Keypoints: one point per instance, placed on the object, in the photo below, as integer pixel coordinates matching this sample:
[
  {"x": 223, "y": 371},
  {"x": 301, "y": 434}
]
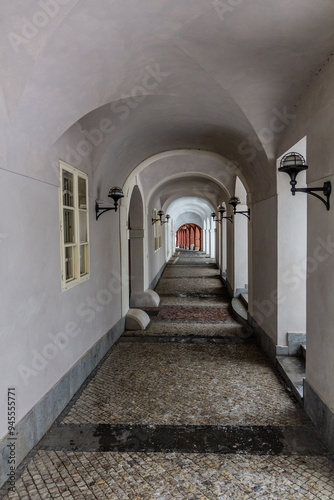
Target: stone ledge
[{"x": 292, "y": 370}]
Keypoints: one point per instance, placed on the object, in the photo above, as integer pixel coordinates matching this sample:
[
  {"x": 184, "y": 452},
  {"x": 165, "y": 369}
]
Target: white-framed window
[
  {"x": 156, "y": 231},
  {"x": 74, "y": 226}
]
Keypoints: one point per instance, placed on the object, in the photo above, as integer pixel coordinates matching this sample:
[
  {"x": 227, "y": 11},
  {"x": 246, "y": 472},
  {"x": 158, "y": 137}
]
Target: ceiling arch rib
[{"x": 172, "y": 174}]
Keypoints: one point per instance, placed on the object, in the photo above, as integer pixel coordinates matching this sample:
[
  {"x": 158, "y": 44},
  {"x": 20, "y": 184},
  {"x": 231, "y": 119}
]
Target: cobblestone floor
[
  {"x": 203, "y": 286},
  {"x": 185, "y": 329},
  {"x": 82, "y": 476},
  {"x": 144, "y": 383},
  {"x": 185, "y": 384},
  {"x": 193, "y": 314},
  {"x": 179, "y": 300}
]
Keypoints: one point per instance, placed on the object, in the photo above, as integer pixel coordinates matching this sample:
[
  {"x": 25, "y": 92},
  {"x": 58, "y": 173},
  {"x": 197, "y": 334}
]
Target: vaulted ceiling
[{"x": 222, "y": 76}]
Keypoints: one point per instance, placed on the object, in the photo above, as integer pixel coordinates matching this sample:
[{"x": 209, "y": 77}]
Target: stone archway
[{"x": 138, "y": 296}]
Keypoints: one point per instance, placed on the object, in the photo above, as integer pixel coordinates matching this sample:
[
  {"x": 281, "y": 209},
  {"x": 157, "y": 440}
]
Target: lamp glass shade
[
  {"x": 167, "y": 217},
  {"x": 213, "y": 215},
  {"x": 292, "y": 159},
  {"x": 160, "y": 213},
  {"x": 221, "y": 209},
  {"x": 292, "y": 164},
  {"x": 116, "y": 193},
  {"x": 234, "y": 201}
]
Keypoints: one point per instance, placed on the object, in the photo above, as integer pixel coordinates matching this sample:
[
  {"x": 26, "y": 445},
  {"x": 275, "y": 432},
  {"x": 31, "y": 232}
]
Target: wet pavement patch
[{"x": 256, "y": 440}]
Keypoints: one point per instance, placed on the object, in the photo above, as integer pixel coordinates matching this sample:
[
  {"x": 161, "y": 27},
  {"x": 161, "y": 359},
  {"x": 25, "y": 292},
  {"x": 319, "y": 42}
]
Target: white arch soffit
[
  {"x": 197, "y": 205},
  {"x": 128, "y": 190},
  {"x": 178, "y": 152},
  {"x": 187, "y": 210},
  {"x": 192, "y": 203},
  {"x": 140, "y": 187},
  {"x": 240, "y": 191},
  {"x": 183, "y": 176},
  {"x": 180, "y": 225}
]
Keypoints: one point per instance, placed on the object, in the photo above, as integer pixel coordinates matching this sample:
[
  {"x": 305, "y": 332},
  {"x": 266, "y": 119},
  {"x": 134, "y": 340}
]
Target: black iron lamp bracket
[
  {"x": 116, "y": 194},
  {"x": 246, "y": 213},
  {"x": 101, "y": 210},
  {"x": 221, "y": 210},
  {"x": 326, "y": 190},
  {"x": 228, "y": 217},
  {"x": 235, "y": 201},
  {"x": 159, "y": 219}
]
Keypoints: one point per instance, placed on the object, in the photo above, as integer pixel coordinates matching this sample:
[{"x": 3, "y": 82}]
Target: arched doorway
[{"x": 136, "y": 243}]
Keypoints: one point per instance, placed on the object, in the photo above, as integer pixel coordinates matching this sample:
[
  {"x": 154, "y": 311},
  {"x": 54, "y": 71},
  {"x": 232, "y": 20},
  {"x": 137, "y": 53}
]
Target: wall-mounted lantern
[
  {"x": 292, "y": 164},
  {"x": 221, "y": 211},
  {"x": 235, "y": 201},
  {"x": 159, "y": 219},
  {"x": 116, "y": 194}
]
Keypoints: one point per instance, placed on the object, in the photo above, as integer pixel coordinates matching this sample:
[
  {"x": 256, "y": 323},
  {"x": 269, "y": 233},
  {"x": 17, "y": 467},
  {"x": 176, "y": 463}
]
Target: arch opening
[{"x": 189, "y": 237}]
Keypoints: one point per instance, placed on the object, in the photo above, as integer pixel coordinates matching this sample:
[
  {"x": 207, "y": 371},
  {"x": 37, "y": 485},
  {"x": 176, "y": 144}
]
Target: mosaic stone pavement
[
  {"x": 168, "y": 416},
  {"x": 201, "y": 330},
  {"x": 184, "y": 384},
  {"x": 82, "y": 476},
  {"x": 190, "y": 313}
]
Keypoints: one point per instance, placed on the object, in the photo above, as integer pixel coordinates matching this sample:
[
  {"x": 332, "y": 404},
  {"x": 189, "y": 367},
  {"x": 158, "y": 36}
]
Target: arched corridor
[
  {"x": 188, "y": 407},
  {"x": 166, "y": 175}
]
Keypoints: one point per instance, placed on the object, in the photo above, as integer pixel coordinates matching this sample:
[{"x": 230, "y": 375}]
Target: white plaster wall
[
  {"x": 292, "y": 233},
  {"x": 213, "y": 240},
  {"x": 33, "y": 306},
  {"x": 263, "y": 307},
  {"x": 155, "y": 258},
  {"x": 230, "y": 255},
  {"x": 224, "y": 245},
  {"x": 315, "y": 119},
  {"x": 241, "y": 251}
]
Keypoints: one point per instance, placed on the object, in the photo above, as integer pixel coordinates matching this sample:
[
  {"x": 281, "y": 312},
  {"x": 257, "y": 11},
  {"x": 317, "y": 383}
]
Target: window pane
[
  {"x": 83, "y": 227},
  {"x": 69, "y": 264},
  {"x": 69, "y": 226},
  {"x": 82, "y": 193},
  {"x": 68, "y": 189},
  {"x": 83, "y": 259}
]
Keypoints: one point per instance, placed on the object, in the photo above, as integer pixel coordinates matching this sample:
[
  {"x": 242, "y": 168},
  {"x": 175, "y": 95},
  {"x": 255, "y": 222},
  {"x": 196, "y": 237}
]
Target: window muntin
[{"x": 74, "y": 226}]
